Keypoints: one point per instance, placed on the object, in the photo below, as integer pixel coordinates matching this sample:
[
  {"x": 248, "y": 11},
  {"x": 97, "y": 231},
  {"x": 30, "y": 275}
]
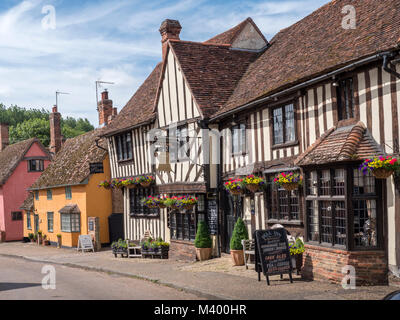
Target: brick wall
[
  {"x": 182, "y": 250},
  {"x": 326, "y": 264}
]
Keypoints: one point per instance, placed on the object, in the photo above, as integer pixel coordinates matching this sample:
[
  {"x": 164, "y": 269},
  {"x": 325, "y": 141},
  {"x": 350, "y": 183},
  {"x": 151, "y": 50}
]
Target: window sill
[
  {"x": 125, "y": 161},
  {"x": 148, "y": 216},
  {"x": 287, "y": 222},
  {"x": 239, "y": 154},
  {"x": 285, "y": 145}
]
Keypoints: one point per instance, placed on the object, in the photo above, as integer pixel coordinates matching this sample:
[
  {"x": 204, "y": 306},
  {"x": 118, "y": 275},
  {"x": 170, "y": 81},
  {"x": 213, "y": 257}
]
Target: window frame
[
  {"x": 68, "y": 193},
  {"x": 123, "y": 147},
  {"x": 52, "y": 221},
  {"x": 16, "y": 216},
  {"x": 241, "y": 130},
  {"x": 347, "y": 199},
  {"x": 28, "y": 221},
  {"x": 49, "y": 194},
  {"x": 37, "y": 195},
  {"x": 180, "y": 143},
  {"x": 71, "y": 229},
  {"x": 39, "y": 163},
  {"x": 136, "y": 208},
  {"x": 284, "y": 132},
  {"x": 343, "y": 92}
]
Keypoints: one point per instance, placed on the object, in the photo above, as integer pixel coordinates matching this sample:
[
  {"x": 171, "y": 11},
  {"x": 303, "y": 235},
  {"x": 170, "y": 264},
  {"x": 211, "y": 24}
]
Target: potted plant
[
  {"x": 31, "y": 237},
  {"x": 254, "y": 183},
  {"x": 150, "y": 202},
  {"x": 105, "y": 184},
  {"x": 116, "y": 183},
  {"x": 146, "y": 246},
  {"x": 296, "y": 252},
  {"x": 203, "y": 242},
  {"x": 35, "y": 237},
  {"x": 188, "y": 202},
  {"x": 45, "y": 242},
  {"x": 164, "y": 247},
  {"x": 161, "y": 203},
  {"x": 235, "y": 186},
  {"x": 130, "y": 183},
  {"x": 380, "y": 167},
  {"x": 59, "y": 242},
  {"x": 290, "y": 181},
  {"x": 239, "y": 233},
  {"x": 146, "y": 181},
  {"x": 40, "y": 237},
  {"x": 119, "y": 247},
  {"x": 171, "y": 202}
]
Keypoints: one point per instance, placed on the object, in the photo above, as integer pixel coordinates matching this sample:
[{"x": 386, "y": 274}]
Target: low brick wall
[
  {"x": 182, "y": 250},
  {"x": 327, "y": 263}
]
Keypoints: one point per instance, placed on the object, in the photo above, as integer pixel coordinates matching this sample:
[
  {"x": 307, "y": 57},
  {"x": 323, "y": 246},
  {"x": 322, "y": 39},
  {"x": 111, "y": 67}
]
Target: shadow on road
[{"x": 6, "y": 286}]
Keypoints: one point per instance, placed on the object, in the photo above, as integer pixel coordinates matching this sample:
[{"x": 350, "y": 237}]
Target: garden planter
[
  {"x": 59, "y": 243},
  {"x": 203, "y": 254},
  {"x": 145, "y": 184},
  {"x": 381, "y": 173},
  {"x": 290, "y": 186},
  {"x": 237, "y": 257},
  {"x": 122, "y": 252},
  {"x": 253, "y": 187}
]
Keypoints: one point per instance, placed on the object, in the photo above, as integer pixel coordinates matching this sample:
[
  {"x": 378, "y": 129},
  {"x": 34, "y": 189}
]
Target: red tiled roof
[
  {"x": 346, "y": 142},
  {"x": 318, "y": 44},
  {"x": 139, "y": 108},
  {"x": 11, "y": 156},
  {"x": 71, "y": 164},
  {"x": 229, "y": 36},
  {"x": 212, "y": 71}
]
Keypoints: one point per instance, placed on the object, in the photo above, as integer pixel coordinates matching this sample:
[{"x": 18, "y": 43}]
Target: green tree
[
  {"x": 39, "y": 128},
  {"x": 239, "y": 233},
  {"x": 203, "y": 239}
]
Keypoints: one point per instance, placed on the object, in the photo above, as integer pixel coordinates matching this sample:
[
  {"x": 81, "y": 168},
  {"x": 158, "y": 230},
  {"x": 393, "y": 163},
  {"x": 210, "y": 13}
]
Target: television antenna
[{"x": 57, "y": 94}]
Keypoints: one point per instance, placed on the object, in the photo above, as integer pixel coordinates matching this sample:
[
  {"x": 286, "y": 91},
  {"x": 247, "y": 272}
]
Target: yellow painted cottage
[{"x": 67, "y": 192}]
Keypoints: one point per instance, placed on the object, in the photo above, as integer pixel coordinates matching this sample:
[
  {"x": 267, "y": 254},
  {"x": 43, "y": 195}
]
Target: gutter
[
  {"x": 107, "y": 135},
  {"x": 387, "y": 60},
  {"x": 59, "y": 186},
  {"x": 308, "y": 83}
]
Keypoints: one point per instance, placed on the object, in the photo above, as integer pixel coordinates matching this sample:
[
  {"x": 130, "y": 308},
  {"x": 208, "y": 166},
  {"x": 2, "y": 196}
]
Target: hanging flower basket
[
  {"x": 254, "y": 183},
  {"x": 117, "y": 183},
  {"x": 289, "y": 181},
  {"x": 105, "y": 184},
  {"x": 151, "y": 202},
  {"x": 235, "y": 186},
  {"x": 130, "y": 183},
  {"x": 381, "y": 167},
  {"x": 187, "y": 202},
  {"x": 146, "y": 181}
]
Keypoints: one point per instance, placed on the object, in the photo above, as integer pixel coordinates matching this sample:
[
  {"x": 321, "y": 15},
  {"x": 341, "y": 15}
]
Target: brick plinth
[
  {"x": 326, "y": 264},
  {"x": 182, "y": 250}
]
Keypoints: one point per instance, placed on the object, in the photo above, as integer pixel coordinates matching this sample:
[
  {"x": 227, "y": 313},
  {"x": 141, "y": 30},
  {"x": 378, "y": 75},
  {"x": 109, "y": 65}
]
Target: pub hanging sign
[{"x": 96, "y": 167}]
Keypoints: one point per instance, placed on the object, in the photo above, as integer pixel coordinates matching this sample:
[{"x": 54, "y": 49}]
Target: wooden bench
[{"x": 248, "y": 251}]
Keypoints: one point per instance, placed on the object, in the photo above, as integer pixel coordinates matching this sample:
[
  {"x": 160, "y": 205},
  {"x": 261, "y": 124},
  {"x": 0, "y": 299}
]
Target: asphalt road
[{"x": 22, "y": 280}]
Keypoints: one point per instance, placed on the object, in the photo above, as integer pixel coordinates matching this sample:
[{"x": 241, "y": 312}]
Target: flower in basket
[
  {"x": 189, "y": 200},
  {"x": 151, "y": 202},
  {"x": 388, "y": 163},
  {"x": 297, "y": 247},
  {"x": 254, "y": 183},
  {"x": 105, "y": 184},
  {"x": 234, "y": 185},
  {"x": 288, "y": 178},
  {"x": 130, "y": 182},
  {"x": 116, "y": 183},
  {"x": 146, "y": 180}
]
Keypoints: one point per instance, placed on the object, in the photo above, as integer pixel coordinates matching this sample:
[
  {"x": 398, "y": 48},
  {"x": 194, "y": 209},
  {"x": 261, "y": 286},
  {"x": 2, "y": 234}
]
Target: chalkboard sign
[
  {"x": 272, "y": 253},
  {"x": 85, "y": 243},
  {"x": 212, "y": 216}
]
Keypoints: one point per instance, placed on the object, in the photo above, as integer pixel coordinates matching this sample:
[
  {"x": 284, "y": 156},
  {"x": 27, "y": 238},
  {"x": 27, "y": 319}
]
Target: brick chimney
[
  {"x": 169, "y": 30},
  {"x": 4, "y": 139},
  {"x": 113, "y": 115},
  {"x": 55, "y": 131},
  {"x": 105, "y": 108}
]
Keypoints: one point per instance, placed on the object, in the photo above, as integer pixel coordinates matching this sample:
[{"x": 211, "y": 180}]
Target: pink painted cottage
[{"x": 20, "y": 165}]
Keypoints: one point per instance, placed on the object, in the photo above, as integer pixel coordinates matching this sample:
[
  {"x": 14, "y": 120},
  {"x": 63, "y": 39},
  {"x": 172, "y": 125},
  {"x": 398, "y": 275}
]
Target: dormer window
[
  {"x": 35, "y": 165},
  {"x": 345, "y": 94}
]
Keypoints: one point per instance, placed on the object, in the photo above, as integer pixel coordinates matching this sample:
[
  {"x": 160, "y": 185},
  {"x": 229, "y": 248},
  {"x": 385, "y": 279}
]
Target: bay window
[
  {"x": 70, "y": 222},
  {"x": 342, "y": 208}
]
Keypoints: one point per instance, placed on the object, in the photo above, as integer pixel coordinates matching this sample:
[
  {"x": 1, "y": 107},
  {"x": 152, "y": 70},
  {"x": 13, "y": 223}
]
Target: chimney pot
[
  {"x": 105, "y": 108},
  {"x": 169, "y": 30},
  {"x": 104, "y": 95},
  {"x": 55, "y": 109},
  {"x": 4, "y": 137}
]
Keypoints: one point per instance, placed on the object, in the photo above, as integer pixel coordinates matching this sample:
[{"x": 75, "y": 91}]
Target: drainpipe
[
  {"x": 100, "y": 147},
  {"x": 386, "y": 62}
]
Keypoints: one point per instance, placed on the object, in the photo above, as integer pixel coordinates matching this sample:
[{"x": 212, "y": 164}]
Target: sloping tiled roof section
[
  {"x": 342, "y": 143},
  {"x": 28, "y": 204},
  {"x": 12, "y": 155},
  {"x": 318, "y": 44},
  {"x": 212, "y": 71},
  {"x": 71, "y": 164},
  {"x": 229, "y": 36},
  {"x": 139, "y": 108}
]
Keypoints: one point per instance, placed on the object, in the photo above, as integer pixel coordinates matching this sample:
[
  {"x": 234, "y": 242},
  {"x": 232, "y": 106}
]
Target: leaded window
[
  {"x": 239, "y": 139},
  {"x": 179, "y": 144},
  {"x": 284, "y": 124},
  {"x": 342, "y": 208},
  {"x": 123, "y": 145},
  {"x": 346, "y": 105},
  {"x": 70, "y": 222},
  {"x": 35, "y": 165},
  {"x": 285, "y": 205},
  {"x": 136, "y": 206}
]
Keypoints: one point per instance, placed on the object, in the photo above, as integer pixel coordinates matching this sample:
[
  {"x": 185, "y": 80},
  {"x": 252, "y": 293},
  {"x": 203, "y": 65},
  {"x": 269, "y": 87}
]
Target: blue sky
[{"x": 110, "y": 40}]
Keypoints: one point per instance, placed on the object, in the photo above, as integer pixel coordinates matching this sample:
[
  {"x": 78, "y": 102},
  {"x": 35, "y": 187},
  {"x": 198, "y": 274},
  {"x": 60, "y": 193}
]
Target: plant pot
[
  {"x": 237, "y": 257},
  {"x": 203, "y": 254},
  {"x": 236, "y": 192},
  {"x": 381, "y": 173},
  {"x": 59, "y": 243},
  {"x": 145, "y": 184},
  {"x": 253, "y": 187},
  {"x": 290, "y": 186}
]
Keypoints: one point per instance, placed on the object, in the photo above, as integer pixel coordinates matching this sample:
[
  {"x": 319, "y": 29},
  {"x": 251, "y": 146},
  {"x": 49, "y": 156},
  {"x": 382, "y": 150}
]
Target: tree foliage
[{"x": 29, "y": 123}]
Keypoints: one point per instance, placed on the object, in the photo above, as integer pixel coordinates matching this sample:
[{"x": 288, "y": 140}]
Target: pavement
[{"x": 212, "y": 279}]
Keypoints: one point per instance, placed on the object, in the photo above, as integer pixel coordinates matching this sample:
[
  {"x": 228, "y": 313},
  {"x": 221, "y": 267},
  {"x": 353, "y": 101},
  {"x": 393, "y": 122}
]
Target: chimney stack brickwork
[
  {"x": 4, "y": 136},
  {"x": 105, "y": 109},
  {"x": 169, "y": 30},
  {"x": 55, "y": 131}
]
